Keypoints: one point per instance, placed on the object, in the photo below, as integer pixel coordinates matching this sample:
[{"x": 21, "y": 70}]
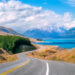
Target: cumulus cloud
[{"x": 22, "y": 17}]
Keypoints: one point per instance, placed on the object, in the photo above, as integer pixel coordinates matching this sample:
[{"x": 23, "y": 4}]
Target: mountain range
[{"x": 39, "y": 34}]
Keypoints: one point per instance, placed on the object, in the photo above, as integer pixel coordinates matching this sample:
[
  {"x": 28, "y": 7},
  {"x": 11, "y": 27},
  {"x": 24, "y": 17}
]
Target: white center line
[{"x": 47, "y": 71}]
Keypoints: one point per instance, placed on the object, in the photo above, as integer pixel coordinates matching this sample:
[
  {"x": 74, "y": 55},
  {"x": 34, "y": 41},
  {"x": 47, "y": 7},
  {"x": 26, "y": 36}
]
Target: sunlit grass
[
  {"x": 53, "y": 53},
  {"x": 7, "y": 58}
]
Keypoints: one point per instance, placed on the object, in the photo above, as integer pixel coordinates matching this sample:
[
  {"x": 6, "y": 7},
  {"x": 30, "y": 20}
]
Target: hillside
[
  {"x": 12, "y": 43},
  {"x": 6, "y": 57},
  {"x": 7, "y": 31},
  {"x": 54, "y": 53},
  {"x": 4, "y": 33}
]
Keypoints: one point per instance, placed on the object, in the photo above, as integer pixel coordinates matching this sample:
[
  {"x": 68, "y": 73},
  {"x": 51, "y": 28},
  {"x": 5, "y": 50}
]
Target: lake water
[{"x": 63, "y": 43}]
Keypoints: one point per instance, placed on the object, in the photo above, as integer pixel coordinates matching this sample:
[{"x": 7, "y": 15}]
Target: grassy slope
[
  {"x": 6, "y": 57},
  {"x": 53, "y": 53},
  {"x": 12, "y": 44}
]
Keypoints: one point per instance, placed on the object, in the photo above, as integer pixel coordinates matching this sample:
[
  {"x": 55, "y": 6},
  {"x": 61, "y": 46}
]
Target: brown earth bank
[
  {"x": 6, "y": 57},
  {"x": 54, "y": 53},
  {"x": 4, "y": 33}
]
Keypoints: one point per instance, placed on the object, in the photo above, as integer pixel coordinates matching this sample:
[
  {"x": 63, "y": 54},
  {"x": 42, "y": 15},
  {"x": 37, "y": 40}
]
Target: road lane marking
[
  {"x": 47, "y": 71},
  {"x": 11, "y": 70}
]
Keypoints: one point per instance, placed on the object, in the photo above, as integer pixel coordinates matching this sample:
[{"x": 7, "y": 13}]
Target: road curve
[{"x": 32, "y": 66}]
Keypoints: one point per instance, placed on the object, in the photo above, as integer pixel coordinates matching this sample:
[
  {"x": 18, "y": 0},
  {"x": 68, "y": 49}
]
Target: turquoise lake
[{"x": 63, "y": 43}]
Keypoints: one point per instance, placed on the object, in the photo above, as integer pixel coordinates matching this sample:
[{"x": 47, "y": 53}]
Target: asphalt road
[{"x": 31, "y": 66}]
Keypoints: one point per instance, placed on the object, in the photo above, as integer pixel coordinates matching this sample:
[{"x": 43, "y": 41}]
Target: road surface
[{"x": 32, "y": 66}]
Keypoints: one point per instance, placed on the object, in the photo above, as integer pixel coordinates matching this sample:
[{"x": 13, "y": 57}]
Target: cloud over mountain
[{"x": 22, "y": 17}]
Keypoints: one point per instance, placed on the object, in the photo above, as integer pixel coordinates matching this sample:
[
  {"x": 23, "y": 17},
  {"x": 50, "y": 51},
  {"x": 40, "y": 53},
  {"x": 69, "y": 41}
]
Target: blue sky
[
  {"x": 59, "y": 6},
  {"x": 23, "y": 15}
]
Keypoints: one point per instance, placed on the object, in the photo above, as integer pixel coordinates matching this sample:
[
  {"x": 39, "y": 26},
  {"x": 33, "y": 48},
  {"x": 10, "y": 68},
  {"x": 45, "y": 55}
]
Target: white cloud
[
  {"x": 22, "y": 17},
  {"x": 70, "y": 2},
  {"x": 70, "y": 24}
]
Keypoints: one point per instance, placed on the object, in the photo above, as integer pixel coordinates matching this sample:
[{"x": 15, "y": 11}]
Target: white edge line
[{"x": 47, "y": 71}]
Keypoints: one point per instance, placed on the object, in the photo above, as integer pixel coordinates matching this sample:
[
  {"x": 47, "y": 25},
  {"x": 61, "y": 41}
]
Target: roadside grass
[
  {"x": 7, "y": 58},
  {"x": 11, "y": 45},
  {"x": 67, "y": 56},
  {"x": 53, "y": 53}
]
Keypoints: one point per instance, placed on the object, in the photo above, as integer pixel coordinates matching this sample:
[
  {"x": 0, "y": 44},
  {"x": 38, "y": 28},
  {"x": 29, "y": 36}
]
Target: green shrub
[{"x": 12, "y": 43}]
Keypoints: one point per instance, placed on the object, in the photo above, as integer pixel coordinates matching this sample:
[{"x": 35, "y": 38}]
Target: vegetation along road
[{"x": 32, "y": 66}]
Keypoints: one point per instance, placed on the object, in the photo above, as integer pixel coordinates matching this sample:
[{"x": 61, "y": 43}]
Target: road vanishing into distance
[{"x": 32, "y": 66}]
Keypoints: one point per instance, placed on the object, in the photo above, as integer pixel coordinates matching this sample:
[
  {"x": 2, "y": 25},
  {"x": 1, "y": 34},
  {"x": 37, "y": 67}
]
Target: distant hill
[
  {"x": 38, "y": 33},
  {"x": 5, "y": 31}
]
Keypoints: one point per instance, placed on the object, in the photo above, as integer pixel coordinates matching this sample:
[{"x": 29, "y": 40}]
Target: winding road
[{"x": 32, "y": 66}]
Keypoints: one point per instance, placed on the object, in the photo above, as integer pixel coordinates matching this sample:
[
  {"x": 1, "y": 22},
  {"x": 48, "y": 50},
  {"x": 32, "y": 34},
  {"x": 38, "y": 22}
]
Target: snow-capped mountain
[{"x": 61, "y": 33}]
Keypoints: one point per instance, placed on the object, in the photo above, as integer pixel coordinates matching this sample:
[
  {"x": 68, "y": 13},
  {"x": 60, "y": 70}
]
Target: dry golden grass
[
  {"x": 65, "y": 55},
  {"x": 53, "y": 53},
  {"x": 43, "y": 53},
  {"x": 5, "y": 57},
  {"x": 36, "y": 46}
]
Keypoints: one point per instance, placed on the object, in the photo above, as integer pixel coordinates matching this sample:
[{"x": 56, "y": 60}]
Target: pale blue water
[{"x": 63, "y": 43}]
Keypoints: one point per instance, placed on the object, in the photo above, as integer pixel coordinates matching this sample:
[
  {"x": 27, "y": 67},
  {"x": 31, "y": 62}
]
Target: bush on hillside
[
  {"x": 11, "y": 43},
  {"x": 20, "y": 42}
]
